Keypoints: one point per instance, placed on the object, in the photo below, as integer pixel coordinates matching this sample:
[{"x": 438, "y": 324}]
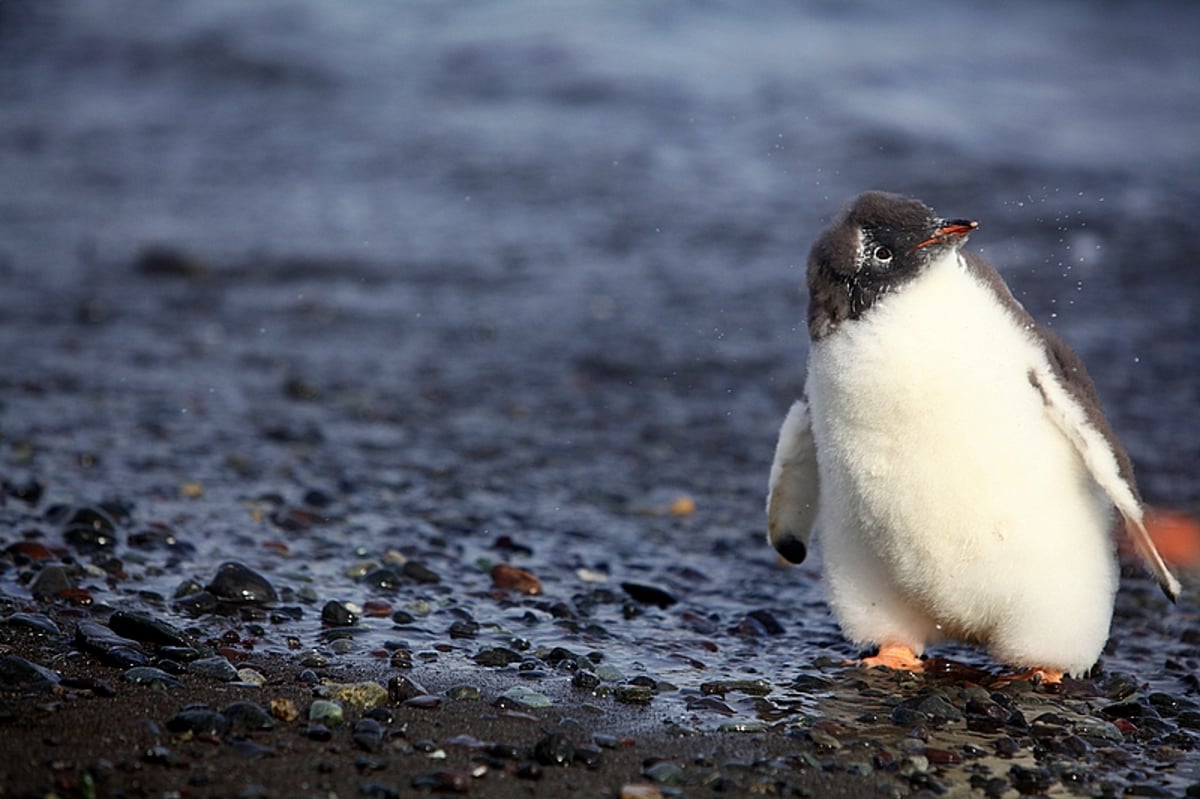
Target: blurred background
[{"x": 591, "y": 215}]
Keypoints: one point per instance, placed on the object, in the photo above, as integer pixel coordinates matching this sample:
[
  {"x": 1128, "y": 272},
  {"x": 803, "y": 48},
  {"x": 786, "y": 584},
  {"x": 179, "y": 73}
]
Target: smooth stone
[
  {"x": 19, "y": 674},
  {"x": 216, "y": 668},
  {"x": 554, "y": 749},
  {"x": 336, "y": 614},
  {"x": 198, "y": 721},
  {"x": 525, "y": 696},
  {"x": 402, "y": 687},
  {"x": 146, "y": 628},
  {"x": 323, "y": 711},
  {"x": 50, "y": 582},
  {"x": 248, "y": 716},
  {"x": 150, "y": 676},
  {"x": 362, "y": 695},
  {"x": 368, "y": 734},
  {"x": 235, "y": 582},
  {"x": 251, "y": 677}
]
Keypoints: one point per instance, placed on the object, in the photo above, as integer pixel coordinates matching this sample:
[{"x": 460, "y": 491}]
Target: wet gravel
[{"x": 459, "y": 489}]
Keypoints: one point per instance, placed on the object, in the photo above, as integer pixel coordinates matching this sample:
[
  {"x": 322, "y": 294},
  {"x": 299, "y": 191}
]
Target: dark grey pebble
[
  {"x": 585, "y": 681},
  {"x": 758, "y": 624},
  {"x": 198, "y": 721},
  {"x": 113, "y": 649},
  {"x": 146, "y": 628},
  {"x": 184, "y": 654},
  {"x": 497, "y": 656},
  {"x": 235, "y": 582},
  {"x": 368, "y": 734},
  {"x": 90, "y": 528},
  {"x": 160, "y": 756},
  {"x": 1030, "y": 780},
  {"x": 308, "y": 677},
  {"x": 464, "y": 629},
  {"x": 665, "y": 772},
  {"x": 1133, "y": 711},
  {"x": 318, "y": 732},
  {"x": 34, "y": 621},
  {"x": 401, "y": 688},
  {"x": 415, "y": 570},
  {"x": 649, "y": 595},
  {"x": 633, "y": 694},
  {"x": 383, "y": 579},
  {"x": 28, "y": 491},
  {"x": 384, "y": 715},
  {"x": 215, "y": 668},
  {"x": 50, "y": 582},
  {"x": 247, "y": 716},
  {"x": 94, "y": 685},
  {"x": 197, "y": 604},
  {"x": 150, "y": 676},
  {"x": 554, "y": 749},
  {"x": 19, "y": 674},
  {"x": 379, "y": 790},
  {"x": 336, "y": 614},
  {"x": 589, "y": 755},
  {"x": 159, "y": 537}
]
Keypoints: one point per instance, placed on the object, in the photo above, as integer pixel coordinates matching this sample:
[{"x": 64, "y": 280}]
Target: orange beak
[{"x": 955, "y": 227}]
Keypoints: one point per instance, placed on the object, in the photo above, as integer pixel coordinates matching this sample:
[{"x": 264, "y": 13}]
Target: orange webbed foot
[{"x": 894, "y": 656}]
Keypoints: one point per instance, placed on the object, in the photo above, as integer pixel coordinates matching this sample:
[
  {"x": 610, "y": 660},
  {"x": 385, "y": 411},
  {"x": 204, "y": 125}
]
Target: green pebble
[{"x": 326, "y": 712}]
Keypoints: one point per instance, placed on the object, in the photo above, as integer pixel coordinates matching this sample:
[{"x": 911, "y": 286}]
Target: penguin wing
[
  {"x": 1074, "y": 406},
  {"x": 793, "y": 488}
]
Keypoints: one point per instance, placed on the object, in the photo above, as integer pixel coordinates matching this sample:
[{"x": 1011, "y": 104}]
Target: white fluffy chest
[{"x": 931, "y": 442}]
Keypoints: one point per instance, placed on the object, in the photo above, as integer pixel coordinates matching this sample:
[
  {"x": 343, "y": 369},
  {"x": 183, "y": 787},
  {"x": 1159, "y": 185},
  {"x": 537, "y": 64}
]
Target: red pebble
[{"x": 510, "y": 577}]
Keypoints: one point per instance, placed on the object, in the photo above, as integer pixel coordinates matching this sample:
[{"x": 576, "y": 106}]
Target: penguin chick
[{"x": 951, "y": 453}]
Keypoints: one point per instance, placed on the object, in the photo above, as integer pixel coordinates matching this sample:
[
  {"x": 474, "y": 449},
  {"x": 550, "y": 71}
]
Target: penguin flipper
[
  {"x": 793, "y": 488},
  {"x": 1068, "y": 395}
]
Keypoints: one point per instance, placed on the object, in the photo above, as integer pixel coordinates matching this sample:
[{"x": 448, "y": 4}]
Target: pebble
[
  {"x": 215, "y": 668},
  {"x": 198, "y": 721},
  {"x": 19, "y": 674},
  {"x": 640, "y": 791},
  {"x": 336, "y": 614},
  {"x": 50, "y": 581},
  {"x": 146, "y": 628},
  {"x": 554, "y": 749},
  {"x": 633, "y": 694},
  {"x": 323, "y": 711},
  {"x": 247, "y": 717},
  {"x": 34, "y": 621},
  {"x": 523, "y": 696},
  {"x": 368, "y": 734},
  {"x": 665, "y": 773},
  {"x": 362, "y": 695},
  {"x": 89, "y": 528},
  {"x": 497, "y": 656},
  {"x": 444, "y": 781},
  {"x": 401, "y": 688},
  {"x": 649, "y": 595},
  {"x": 235, "y": 582},
  {"x": 464, "y": 693},
  {"x": 251, "y": 677},
  {"x": 284, "y": 709},
  {"x": 151, "y": 677},
  {"x": 508, "y": 577},
  {"x": 415, "y": 570}
]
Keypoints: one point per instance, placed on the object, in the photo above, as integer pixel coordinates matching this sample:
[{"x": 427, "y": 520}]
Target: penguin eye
[{"x": 882, "y": 254}]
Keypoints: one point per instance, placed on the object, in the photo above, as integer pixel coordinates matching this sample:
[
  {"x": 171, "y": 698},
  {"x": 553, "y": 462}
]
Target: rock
[
  {"x": 146, "y": 628},
  {"x": 284, "y": 709},
  {"x": 34, "y": 621},
  {"x": 402, "y": 688},
  {"x": 198, "y": 721},
  {"x": 323, "y": 711},
  {"x": 90, "y": 528},
  {"x": 336, "y": 614},
  {"x": 523, "y": 697},
  {"x": 665, "y": 772},
  {"x": 19, "y": 674},
  {"x": 215, "y": 668},
  {"x": 151, "y": 677},
  {"x": 251, "y": 677},
  {"x": 51, "y": 581},
  {"x": 415, "y": 570},
  {"x": 637, "y": 790},
  {"x": 649, "y": 595},
  {"x": 497, "y": 656},
  {"x": 247, "y": 717},
  {"x": 554, "y": 749},
  {"x": 234, "y": 582},
  {"x": 113, "y": 649},
  {"x": 633, "y": 694},
  {"x": 509, "y": 577},
  {"x": 443, "y": 781},
  {"x": 361, "y": 695},
  {"x": 368, "y": 734}
]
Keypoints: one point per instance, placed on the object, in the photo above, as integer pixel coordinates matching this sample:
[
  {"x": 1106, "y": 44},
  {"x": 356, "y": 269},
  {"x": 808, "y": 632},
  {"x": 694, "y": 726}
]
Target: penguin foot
[
  {"x": 894, "y": 656},
  {"x": 1039, "y": 676}
]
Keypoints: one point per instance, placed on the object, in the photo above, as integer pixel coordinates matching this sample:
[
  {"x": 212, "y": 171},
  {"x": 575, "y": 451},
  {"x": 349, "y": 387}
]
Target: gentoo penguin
[{"x": 951, "y": 454}]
